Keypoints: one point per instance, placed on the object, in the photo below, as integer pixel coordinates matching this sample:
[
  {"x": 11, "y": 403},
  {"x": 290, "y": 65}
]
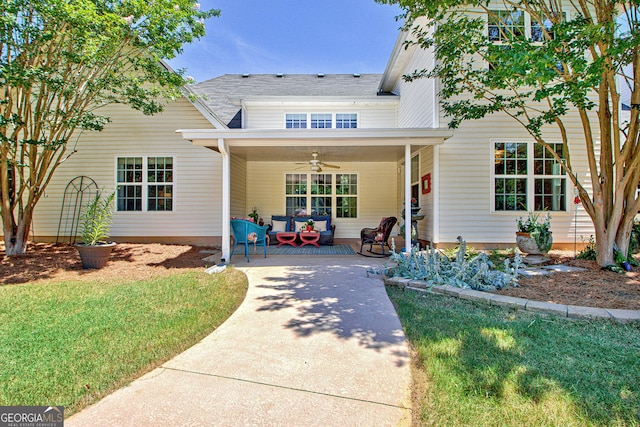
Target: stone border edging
[{"x": 560, "y": 310}]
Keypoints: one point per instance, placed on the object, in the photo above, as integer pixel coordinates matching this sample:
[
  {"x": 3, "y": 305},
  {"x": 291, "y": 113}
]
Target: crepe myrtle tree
[
  {"x": 573, "y": 58},
  {"x": 60, "y": 61}
]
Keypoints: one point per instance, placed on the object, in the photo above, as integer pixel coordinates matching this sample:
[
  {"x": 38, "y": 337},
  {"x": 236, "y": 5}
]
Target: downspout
[
  {"x": 226, "y": 202},
  {"x": 407, "y": 197}
]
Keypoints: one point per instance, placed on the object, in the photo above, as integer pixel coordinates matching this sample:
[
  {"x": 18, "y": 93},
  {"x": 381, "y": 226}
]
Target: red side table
[
  {"x": 286, "y": 238},
  {"x": 309, "y": 238}
]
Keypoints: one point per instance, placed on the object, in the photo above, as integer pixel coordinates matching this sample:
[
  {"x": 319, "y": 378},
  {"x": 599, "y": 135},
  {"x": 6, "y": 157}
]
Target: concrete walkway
[{"x": 315, "y": 343}]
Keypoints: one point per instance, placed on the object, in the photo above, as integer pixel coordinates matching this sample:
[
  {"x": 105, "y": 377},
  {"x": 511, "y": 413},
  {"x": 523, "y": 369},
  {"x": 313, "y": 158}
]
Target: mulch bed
[{"x": 57, "y": 262}]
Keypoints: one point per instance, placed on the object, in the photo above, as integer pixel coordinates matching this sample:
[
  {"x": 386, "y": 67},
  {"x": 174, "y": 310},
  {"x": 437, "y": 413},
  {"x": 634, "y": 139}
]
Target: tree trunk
[{"x": 16, "y": 236}]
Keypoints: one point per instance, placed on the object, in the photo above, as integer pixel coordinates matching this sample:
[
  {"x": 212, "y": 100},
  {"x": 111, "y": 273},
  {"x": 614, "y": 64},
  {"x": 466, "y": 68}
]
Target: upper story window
[
  {"x": 505, "y": 25},
  {"x": 321, "y": 120},
  {"x": 346, "y": 121},
  {"x": 296, "y": 121}
]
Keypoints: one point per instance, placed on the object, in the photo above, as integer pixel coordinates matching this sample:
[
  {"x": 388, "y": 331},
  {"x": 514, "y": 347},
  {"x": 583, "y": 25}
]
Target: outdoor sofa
[{"x": 291, "y": 223}]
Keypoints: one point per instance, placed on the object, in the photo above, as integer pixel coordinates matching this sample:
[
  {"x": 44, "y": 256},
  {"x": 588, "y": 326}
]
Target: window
[
  {"x": 346, "y": 121},
  {"x": 415, "y": 177},
  {"x": 296, "y": 193},
  {"x": 527, "y": 177},
  {"x": 321, "y": 120},
  {"x": 321, "y": 192},
  {"x": 145, "y": 179},
  {"x": 505, "y": 25},
  {"x": 296, "y": 121},
  {"x": 347, "y": 195}
]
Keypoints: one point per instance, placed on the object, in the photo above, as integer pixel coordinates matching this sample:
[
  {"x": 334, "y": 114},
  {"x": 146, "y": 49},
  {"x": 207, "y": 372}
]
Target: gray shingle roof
[{"x": 224, "y": 94}]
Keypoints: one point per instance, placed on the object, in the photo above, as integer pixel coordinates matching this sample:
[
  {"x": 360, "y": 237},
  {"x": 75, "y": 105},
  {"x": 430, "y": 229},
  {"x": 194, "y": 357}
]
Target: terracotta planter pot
[
  {"x": 528, "y": 245},
  {"x": 95, "y": 256}
]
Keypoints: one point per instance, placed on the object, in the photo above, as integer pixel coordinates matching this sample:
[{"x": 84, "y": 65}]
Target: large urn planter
[
  {"x": 94, "y": 256},
  {"x": 528, "y": 244}
]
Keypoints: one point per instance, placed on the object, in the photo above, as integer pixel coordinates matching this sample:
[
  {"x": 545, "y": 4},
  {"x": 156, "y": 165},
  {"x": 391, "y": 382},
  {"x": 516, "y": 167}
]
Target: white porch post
[
  {"x": 226, "y": 202},
  {"x": 407, "y": 197}
]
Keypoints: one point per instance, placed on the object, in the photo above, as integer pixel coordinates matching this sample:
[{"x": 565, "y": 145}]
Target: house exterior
[{"x": 248, "y": 141}]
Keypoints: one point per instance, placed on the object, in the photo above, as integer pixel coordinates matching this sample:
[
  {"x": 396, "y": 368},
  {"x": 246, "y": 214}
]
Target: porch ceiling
[{"x": 334, "y": 145}]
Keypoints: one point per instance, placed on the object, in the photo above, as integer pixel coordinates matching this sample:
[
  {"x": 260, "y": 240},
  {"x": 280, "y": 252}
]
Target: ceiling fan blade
[{"x": 325, "y": 165}]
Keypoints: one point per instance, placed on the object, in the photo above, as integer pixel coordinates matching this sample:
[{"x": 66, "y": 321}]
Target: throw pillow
[
  {"x": 279, "y": 226},
  {"x": 299, "y": 225},
  {"x": 321, "y": 225}
]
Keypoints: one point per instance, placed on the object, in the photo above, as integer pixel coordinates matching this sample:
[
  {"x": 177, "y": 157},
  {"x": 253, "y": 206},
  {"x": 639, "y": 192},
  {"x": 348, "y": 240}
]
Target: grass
[
  {"x": 487, "y": 366},
  {"x": 72, "y": 343}
]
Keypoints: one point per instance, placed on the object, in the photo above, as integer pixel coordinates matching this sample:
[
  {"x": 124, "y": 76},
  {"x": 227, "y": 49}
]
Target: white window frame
[
  {"x": 334, "y": 196},
  {"x": 145, "y": 184},
  {"x": 310, "y": 114},
  {"x": 527, "y": 25},
  {"x": 530, "y": 177}
]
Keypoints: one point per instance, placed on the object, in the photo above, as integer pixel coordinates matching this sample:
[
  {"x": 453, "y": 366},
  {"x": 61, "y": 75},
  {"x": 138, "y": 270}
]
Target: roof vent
[
  {"x": 279, "y": 75},
  {"x": 356, "y": 76},
  {"x": 320, "y": 75},
  {"x": 244, "y": 76}
]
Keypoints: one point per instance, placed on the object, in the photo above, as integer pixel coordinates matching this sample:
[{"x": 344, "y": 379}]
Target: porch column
[
  {"x": 226, "y": 202},
  {"x": 407, "y": 197}
]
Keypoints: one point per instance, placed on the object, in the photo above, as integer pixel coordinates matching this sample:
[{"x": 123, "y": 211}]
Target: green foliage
[
  {"x": 60, "y": 62},
  {"x": 547, "y": 67},
  {"x": 540, "y": 230},
  {"x": 96, "y": 219},
  {"x": 462, "y": 271},
  {"x": 75, "y": 342},
  {"x": 254, "y": 215},
  {"x": 589, "y": 251}
]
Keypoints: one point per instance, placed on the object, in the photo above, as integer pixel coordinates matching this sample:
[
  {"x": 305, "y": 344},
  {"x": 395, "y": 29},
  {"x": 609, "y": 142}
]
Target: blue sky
[{"x": 292, "y": 36}]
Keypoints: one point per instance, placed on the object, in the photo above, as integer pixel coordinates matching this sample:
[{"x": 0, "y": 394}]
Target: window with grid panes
[
  {"x": 296, "y": 193},
  {"x": 296, "y": 121},
  {"x": 505, "y": 25},
  {"x": 550, "y": 192},
  {"x": 144, "y": 183},
  {"x": 321, "y": 193},
  {"x": 346, "y": 121},
  {"x": 321, "y": 121},
  {"x": 346, "y": 195},
  {"x": 528, "y": 177}
]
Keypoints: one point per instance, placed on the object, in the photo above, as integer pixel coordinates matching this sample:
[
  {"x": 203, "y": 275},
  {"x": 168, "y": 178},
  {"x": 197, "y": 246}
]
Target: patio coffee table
[
  {"x": 286, "y": 238},
  {"x": 309, "y": 238}
]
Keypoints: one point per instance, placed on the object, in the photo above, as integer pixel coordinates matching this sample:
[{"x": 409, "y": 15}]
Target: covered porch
[{"x": 257, "y": 163}]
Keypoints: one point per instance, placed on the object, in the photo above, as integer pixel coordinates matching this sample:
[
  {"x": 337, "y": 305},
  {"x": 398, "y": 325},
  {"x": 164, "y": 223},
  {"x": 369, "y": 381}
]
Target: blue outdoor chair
[{"x": 248, "y": 233}]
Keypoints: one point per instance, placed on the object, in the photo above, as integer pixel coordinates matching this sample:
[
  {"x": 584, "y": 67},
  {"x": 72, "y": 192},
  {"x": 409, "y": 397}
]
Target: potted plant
[
  {"x": 309, "y": 225},
  {"x": 534, "y": 234},
  {"x": 254, "y": 215},
  {"x": 95, "y": 227}
]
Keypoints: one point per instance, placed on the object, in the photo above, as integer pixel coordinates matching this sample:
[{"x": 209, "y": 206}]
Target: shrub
[
  {"x": 435, "y": 268},
  {"x": 589, "y": 251}
]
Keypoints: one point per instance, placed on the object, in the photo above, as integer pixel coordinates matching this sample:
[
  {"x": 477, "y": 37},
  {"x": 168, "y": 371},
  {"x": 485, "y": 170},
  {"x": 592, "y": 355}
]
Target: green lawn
[
  {"x": 489, "y": 366},
  {"x": 72, "y": 343}
]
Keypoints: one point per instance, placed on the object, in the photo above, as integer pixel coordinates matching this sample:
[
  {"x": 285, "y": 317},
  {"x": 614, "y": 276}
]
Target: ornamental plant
[
  {"x": 461, "y": 271},
  {"x": 96, "y": 219},
  {"x": 539, "y": 229}
]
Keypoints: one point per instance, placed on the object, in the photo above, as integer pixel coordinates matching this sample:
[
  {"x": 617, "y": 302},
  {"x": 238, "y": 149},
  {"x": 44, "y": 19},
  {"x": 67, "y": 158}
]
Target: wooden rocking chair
[{"x": 377, "y": 236}]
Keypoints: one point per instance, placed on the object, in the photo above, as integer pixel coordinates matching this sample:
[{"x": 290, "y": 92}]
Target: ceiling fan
[{"x": 316, "y": 165}]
